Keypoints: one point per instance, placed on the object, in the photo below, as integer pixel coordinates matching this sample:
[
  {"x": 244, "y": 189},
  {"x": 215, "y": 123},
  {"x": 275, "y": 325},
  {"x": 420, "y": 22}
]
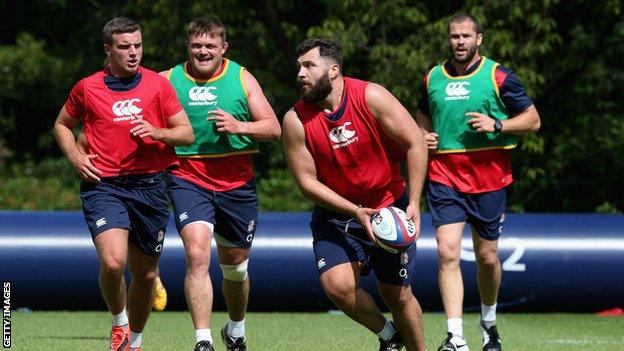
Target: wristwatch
[{"x": 498, "y": 126}]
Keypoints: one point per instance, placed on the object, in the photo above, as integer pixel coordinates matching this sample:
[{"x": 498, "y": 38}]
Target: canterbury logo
[
  {"x": 457, "y": 91},
  {"x": 126, "y": 108},
  {"x": 341, "y": 134},
  {"x": 321, "y": 263},
  {"x": 202, "y": 94}
]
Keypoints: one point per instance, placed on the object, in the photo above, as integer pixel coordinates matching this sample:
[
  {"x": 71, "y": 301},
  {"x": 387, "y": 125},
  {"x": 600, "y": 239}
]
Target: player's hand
[
  {"x": 432, "y": 140},
  {"x": 84, "y": 167},
  {"x": 413, "y": 213},
  {"x": 144, "y": 129},
  {"x": 480, "y": 122},
  {"x": 225, "y": 122},
  {"x": 363, "y": 215}
]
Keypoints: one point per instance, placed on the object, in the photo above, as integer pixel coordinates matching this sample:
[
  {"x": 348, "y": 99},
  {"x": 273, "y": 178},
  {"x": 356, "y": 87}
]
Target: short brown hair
[
  {"x": 463, "y": 16},
  {"x": 205, "y": 26},
  {"x": 327, "y": 49},
  {"x": 116, "y": 26}
]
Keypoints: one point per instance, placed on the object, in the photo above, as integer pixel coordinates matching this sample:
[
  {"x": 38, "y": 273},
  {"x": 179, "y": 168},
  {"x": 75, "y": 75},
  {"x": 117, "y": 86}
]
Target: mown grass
[{"x": 313, "y": 331}]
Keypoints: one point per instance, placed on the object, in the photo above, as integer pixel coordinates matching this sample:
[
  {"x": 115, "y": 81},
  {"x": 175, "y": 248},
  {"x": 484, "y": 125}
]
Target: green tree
[
  {"x": 29, "y": 87},
  {"x": 566, "y": 53}
]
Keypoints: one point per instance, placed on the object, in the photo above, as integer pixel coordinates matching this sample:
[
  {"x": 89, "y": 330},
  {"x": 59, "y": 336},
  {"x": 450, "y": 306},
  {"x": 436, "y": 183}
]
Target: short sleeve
[
  {"x": 75, "y": 102},
  {"x": 511, "y": 91}
]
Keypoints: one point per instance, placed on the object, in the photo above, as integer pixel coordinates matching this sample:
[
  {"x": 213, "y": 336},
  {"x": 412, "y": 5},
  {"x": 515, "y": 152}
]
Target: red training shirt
[
  {"x": 216, "y": 173},
  {"x": 352, "y": 155},
  {"x": 106, "y": 116}
]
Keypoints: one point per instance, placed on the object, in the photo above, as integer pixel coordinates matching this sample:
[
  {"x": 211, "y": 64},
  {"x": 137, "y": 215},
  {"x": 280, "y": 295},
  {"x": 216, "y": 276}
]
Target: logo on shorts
[
  {"x": 100, "y": 222},
  {"x": 342, "y": 136},
  {"x": 457, "y": 91},
  {"x": 125, "y": 110},
  {"x": 404, "y": 258},
  {"x": 250, "y": 226},
  {"x": 321, "y": 263},
  {"x": 202, "y": 96},
  {"x": 161, "y": 235},
  {"x": 183, "y": 217}
]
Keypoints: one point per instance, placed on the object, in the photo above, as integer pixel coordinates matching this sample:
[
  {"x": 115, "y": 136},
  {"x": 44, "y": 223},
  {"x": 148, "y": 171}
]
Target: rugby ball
[{"x": 394, "y": 232}]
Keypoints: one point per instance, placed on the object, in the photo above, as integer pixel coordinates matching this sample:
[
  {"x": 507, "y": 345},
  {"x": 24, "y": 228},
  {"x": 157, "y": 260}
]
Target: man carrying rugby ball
[{"x": 344, "y": 140}]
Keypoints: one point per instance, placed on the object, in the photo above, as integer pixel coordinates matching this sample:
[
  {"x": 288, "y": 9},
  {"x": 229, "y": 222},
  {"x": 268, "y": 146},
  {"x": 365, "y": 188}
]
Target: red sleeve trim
[{"x": 499, "y": 76}]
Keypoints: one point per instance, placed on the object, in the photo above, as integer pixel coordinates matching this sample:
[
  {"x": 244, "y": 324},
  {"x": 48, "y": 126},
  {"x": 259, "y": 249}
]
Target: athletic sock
[
  {"x": 135, "y": 339},
  {"x": 454, "y": 326},
  {"x": 236, "y": 329},
  {"x": 387, "y": 332},
  {"x": 120, "y": 319},
  {"x": 488, "y": 315},
  {"x": 203, "y": 334}
]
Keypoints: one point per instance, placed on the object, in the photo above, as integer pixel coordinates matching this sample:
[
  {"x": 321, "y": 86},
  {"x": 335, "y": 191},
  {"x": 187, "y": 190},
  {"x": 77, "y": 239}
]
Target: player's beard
[
  {"x": 319, "y": 91},
  {"x": 472, "y": 50}
]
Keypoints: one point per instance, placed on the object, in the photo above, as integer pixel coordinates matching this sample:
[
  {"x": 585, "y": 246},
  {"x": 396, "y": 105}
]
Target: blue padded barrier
[{"x": 551, "y": 262}]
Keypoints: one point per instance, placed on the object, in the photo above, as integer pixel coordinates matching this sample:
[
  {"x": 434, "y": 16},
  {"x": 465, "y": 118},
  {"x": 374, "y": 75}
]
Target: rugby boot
[
  {"x": 491, "y": 339},
  {"x": 394, "y": 344},
  {"x": 119, "y": 338},
  {"x": 231, "y": 344},
  {"x": 453, "y": 343},
  {"x": 160, "y": 296},
  {"x": 204, "y": 345}
]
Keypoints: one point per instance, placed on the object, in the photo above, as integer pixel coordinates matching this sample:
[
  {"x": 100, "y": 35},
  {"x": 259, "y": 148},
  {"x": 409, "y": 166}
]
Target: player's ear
[
  {"x": 225, "y": 46},
  {"x": 334, "y": 71},
  {"x": 479, "y": 39},
  {"x": 107, "y": 49}
]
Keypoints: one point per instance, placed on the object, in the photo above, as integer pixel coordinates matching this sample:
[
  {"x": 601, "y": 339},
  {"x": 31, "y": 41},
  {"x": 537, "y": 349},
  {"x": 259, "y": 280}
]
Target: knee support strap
[{"x": 236, "y": 273}]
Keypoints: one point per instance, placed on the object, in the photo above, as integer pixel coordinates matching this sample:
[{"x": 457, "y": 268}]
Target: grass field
[{"x": 313, "y": 331}]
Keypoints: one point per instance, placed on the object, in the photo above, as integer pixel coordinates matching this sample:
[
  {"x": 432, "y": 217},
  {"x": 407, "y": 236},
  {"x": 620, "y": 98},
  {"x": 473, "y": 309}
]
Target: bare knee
[
  {"x": 448, "y": 255},
  {"x": 488, "y": 259},
  {"x": 145, "y": 276},
  {"x": 144, "y": 269},
  {"x": 401, "y": 302},
  {"x": 112, "y": 268},
  {"x": 336, "y": 290},
  {"x": 197, "y": 260},
  {"x": 339, "y": 294}
]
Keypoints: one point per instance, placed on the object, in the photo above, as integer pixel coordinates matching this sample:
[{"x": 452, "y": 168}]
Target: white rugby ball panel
[
  {"x": 392, "y": 229},
  {"x": 384, "y": 225}
]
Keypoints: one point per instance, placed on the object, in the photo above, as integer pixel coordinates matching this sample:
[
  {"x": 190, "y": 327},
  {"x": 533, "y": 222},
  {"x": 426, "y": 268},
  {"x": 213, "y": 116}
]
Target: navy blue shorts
[
  {"x": 339, "y": 239},
  {"x": 134, "y": 202},
  {"x": 485, "y": 212},
  {"x": 233, "y": 214}
]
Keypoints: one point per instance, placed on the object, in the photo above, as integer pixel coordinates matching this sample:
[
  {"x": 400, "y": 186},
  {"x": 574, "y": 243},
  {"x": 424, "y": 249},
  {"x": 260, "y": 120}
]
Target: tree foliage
[{"x": 566, "y": 53}]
